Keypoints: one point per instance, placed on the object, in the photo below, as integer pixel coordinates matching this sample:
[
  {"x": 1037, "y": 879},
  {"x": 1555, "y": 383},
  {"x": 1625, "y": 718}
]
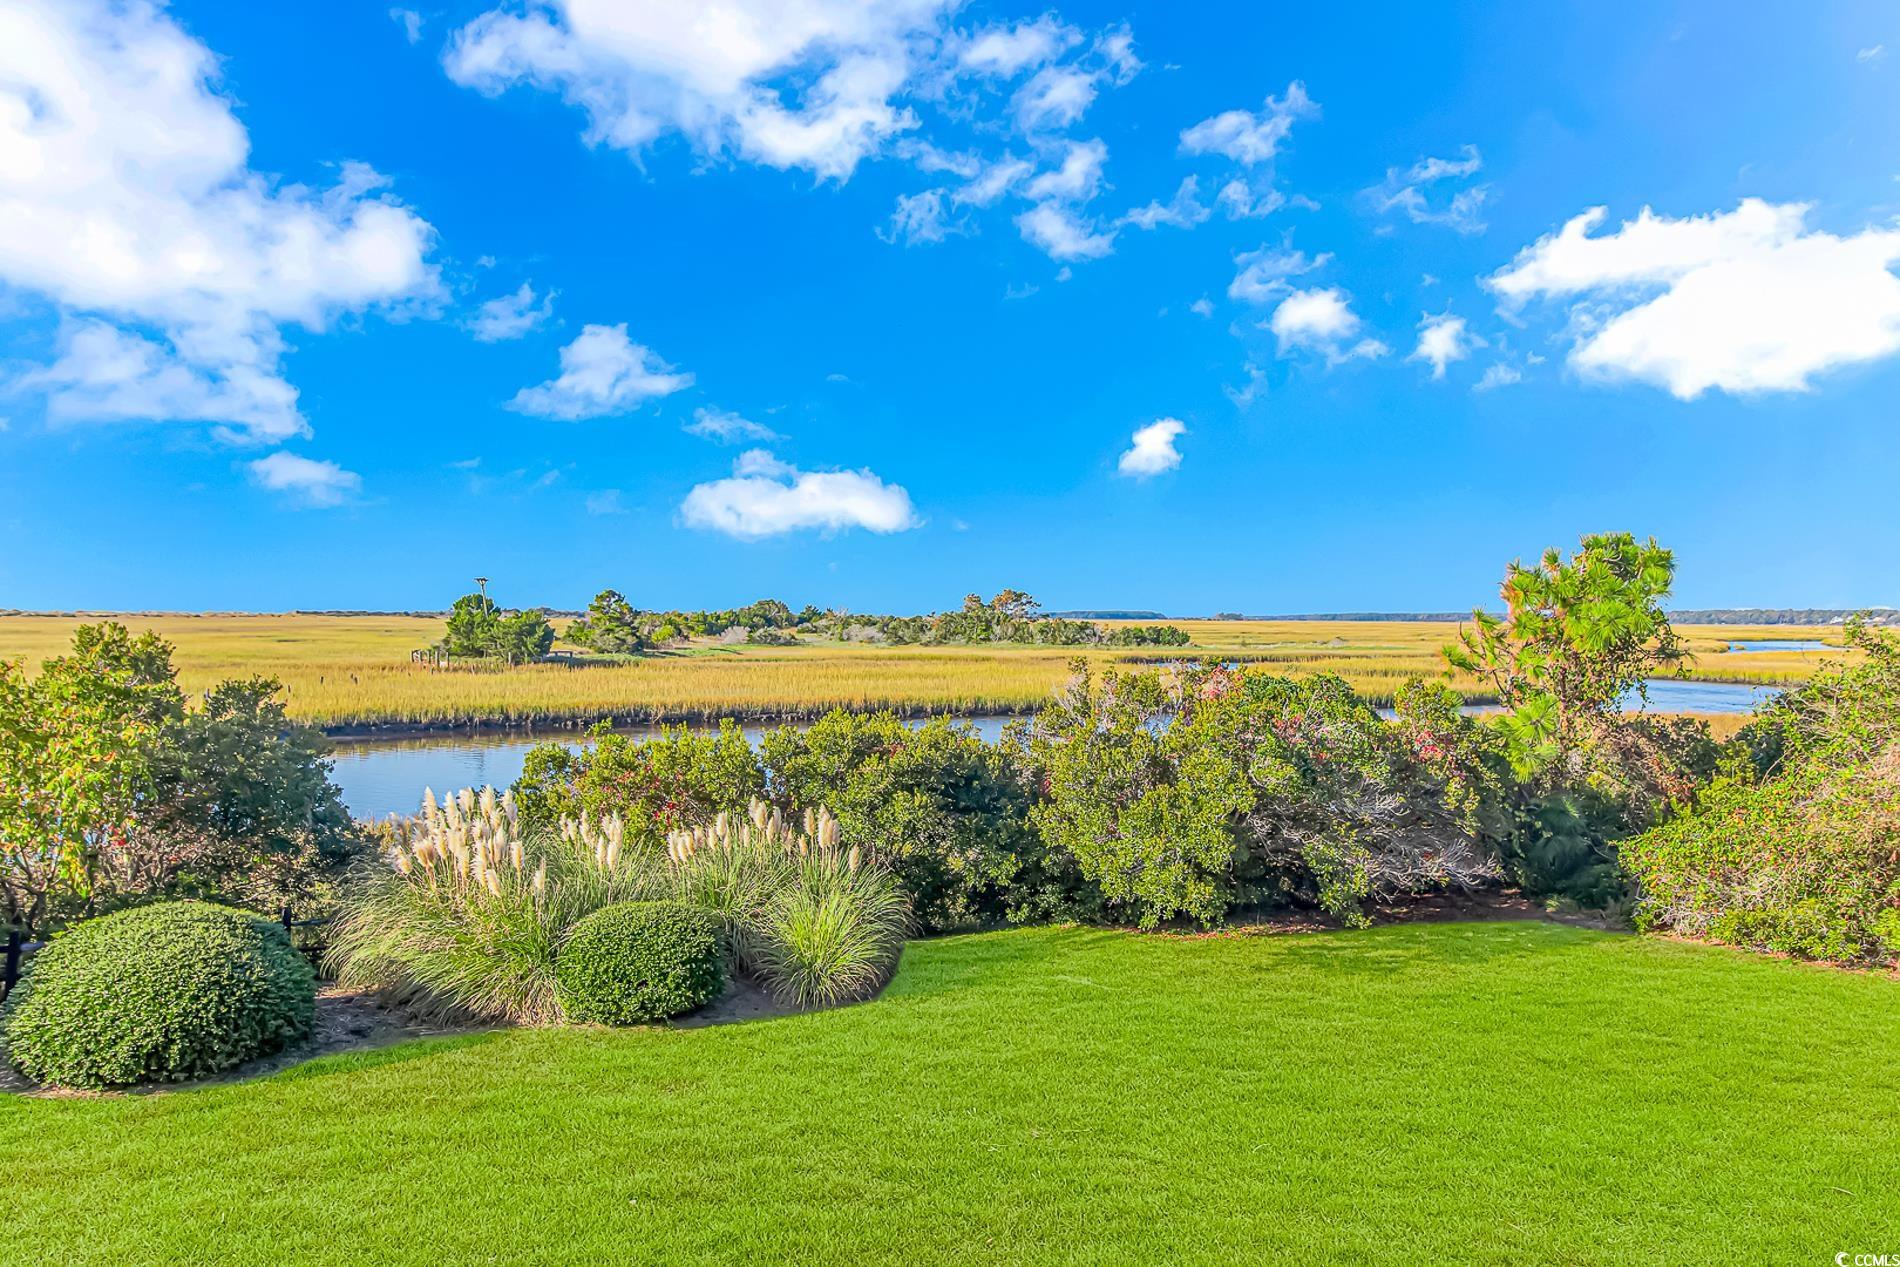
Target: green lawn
[{"x": 1501, "y": 1093}]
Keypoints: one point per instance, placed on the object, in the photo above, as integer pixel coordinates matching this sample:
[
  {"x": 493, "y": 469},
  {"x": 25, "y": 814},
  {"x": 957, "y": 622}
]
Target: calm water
[
  {"x": 1776, "y": 644},
  {"x": 380, "y": 777}
]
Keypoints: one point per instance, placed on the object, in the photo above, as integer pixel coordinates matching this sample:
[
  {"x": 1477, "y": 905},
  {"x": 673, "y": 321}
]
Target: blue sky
[{"x": 875, "y": 304}]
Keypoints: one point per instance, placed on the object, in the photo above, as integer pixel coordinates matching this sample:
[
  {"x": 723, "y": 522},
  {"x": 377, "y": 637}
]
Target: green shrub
[
  {"x": 946, "y": 811},
  {"x": 1807, "y": 864},
  {"x": 158, "y": 993},
  {"x": 640, "y": 961},
  {"x": 1190, "y": 793}
]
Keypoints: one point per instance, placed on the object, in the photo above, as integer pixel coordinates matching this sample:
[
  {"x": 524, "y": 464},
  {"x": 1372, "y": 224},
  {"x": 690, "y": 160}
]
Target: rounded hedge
[
  {"x": 158, "y": 993},
  {"x": 640, "y": 961}
]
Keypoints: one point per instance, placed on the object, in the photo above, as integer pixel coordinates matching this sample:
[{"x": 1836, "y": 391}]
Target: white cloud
[
  {"x": 1408, "y": 190},
  {"x": 1152, "y": 450},
  {"x": 1263, "y": 273},
  {"x": 1202, "y": 307},
  {"x": 1873, "y": 54},
  {"x": 105, "y": 374},
  {"x": 1055, "y": 97},
  {"x": 1744, "y": 301},
  {"x": 818, "y": 85},
  {"x": 1443, "y": 339},
  {"x": 1077, "y": 179},
  {"x": 1240, "y": 200},
  {"x": 1062, "y": 234},
  {"x": 1183, "y": 211},
  {"x": 715, "y": 72},
  {"x": 1322, "y": 321},
  {"x": 605, "y": 502},
  {"x": 602, "y": 372},
  {"x": 765, "y": 497},
  {"x": 1115, "y": 48},
  {"x": 410, "y": 21},
  {"x": 921, "y": 217},
  {"x": 993, "y": 181},
  {"x": 511, "y": 316},
  {"x": 126, "y": 194},
  {"x": 306, "y": 480},
  {"x": 1499, "y": 375},
  {"x": 1249, "y": 138},
  {"x": 1243, "y": 397},
  {"x": 726, "y": 427},
  {"x": 1005, "y": 50}
]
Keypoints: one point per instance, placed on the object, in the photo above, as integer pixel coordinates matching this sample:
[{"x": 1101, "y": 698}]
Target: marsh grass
[{"x": 354, "y": 671}]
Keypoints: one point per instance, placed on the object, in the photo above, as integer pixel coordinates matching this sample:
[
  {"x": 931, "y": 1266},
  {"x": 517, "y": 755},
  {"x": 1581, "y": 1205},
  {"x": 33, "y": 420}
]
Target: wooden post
[{"x": 10, "y": 973}]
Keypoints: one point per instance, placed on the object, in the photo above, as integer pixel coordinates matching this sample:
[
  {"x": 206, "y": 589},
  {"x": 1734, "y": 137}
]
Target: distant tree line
[{"x": 612, "y": 625}]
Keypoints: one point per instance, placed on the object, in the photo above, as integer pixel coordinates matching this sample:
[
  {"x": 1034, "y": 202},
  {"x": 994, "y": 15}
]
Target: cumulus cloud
[
  {"x": 127, "y": 200},
  {"x": 1005, "y": 50},
  {"x": 106, "y": 374},
  {"x": 1410, "y": 190},
  {"x": 1263, "y": 274},
  {"x": 1322, "y": 321},
  {"x": 1241, "y": 199},
  {"x": 1247, "y": 137},
  {"x": 602, "y": 372},
  {"x": 305, "y": 481},
  {"x": 1076, "y": 179},
  {"x": 991, "y": 181},
  {"x": 1151, "y": 450},
  {"x": 1055, "y": 97},
  {"x": 725, "y": 427},
  {"x": 1744, "y": 301},
  {"x": 713, "y": 72},
  {"x": 1062, "y": 234},
  {"x": 1183, "y": 211},
  {"x": 511, "y": 316},
  {"x": 818, "y": 87},
  {"x": 1202, "y": 307},
  {"x": 1443, "y": 339},
  {"x": 765, "y": 497},
  {"x": 1502, "y": 374}
]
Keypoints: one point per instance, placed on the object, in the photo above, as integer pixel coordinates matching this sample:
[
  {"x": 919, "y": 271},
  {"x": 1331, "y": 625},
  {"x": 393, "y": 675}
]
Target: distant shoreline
[{"x": 1687, "y": 616}]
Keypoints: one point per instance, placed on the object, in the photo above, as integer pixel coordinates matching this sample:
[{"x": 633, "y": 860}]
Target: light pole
[{"x": 482, "y": 582}]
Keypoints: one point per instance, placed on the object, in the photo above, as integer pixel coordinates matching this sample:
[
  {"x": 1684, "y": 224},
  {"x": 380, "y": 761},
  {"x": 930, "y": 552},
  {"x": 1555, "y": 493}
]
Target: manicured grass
[
  {"x": 349, "y": 670},
  {"x": 1492, "y": 1093}
]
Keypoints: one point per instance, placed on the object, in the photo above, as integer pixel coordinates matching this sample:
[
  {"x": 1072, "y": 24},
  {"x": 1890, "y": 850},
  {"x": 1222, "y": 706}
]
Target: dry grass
[{"x": 355, "y": 670}]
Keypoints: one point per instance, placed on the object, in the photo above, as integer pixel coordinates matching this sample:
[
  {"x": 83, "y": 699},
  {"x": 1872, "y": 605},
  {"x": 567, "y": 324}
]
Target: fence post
[{"x": 11, "y": 972}]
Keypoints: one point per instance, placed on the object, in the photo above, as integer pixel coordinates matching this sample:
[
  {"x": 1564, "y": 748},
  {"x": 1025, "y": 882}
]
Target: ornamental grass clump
[
  {"x": 815, "y": 922},
  {"x": 470, "y": 917},
  {"x": 466, "y": 919}
]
